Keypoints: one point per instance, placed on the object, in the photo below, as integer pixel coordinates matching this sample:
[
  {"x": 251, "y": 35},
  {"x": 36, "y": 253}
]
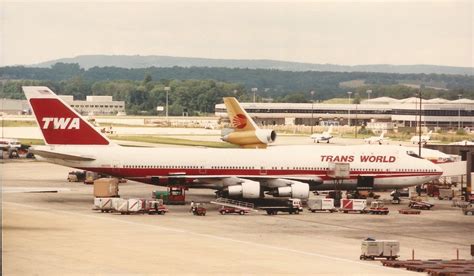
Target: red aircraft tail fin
[{"x": 59, "y": 123}]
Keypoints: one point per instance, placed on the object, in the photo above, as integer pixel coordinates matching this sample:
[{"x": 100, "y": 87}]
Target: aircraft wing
[
  {"x": 311, "y": 180},
  {"x": 63, "y": 156}
]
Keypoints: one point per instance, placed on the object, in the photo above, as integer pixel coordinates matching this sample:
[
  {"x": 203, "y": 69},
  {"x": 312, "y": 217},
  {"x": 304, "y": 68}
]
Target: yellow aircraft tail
[{"x": 238, "y": 117}]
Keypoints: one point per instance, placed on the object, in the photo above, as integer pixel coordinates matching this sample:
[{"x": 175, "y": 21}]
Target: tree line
[{"x": 197, "y": 90}]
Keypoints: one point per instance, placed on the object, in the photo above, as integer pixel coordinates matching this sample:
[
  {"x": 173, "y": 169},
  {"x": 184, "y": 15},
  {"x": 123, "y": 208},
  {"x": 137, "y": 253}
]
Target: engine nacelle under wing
[
  {"x": 247, "y": 189},
  {"x": 295, "y": 190}
]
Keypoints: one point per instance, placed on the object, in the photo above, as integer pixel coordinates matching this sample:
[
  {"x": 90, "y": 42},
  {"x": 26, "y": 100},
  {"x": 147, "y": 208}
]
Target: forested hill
[
  {"x": 197, "y": 90},
  {"x": 123, "y": 61}
]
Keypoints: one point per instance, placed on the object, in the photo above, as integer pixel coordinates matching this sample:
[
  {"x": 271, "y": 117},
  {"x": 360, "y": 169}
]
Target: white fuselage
[{"x": 391, "y": 167}]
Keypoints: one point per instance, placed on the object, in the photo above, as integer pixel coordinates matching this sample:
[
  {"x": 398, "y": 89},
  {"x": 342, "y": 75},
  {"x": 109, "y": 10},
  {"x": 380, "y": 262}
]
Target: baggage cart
[
  {"x": 321, "y": 205},
  {"x": 372, "y": 249},
  {"x": 378, "y": 208},
  {"x": 104, "y": 204}
]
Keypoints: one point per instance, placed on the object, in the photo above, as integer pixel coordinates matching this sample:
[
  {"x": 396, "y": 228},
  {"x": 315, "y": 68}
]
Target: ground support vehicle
[
  {"x": 468, "y": 210},
  {"x": 232, "y": 210},
  {"x": 198, "y": 210},
  {"x": 175, "y": 195},
  {"x": 353, "y": 206},
  {"x": 387, "y": 249},
  {"x": 409, "y": 212},
  {"x": 321, "y": 205},
  {"x": 90, "y": 177},
  {"x": 293, "y": 206},
  {"x": 232, "y": 206},
  {"x": 76, "y": 176},
  {"x": 378, "y": 208},
  {"x": 422, "y": 205},
  {"x": 155, "y": 207}
]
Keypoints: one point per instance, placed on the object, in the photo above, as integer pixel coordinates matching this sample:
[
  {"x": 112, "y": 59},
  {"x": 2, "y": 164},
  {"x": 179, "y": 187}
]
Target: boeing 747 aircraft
[{"x": 290, "y": 171}]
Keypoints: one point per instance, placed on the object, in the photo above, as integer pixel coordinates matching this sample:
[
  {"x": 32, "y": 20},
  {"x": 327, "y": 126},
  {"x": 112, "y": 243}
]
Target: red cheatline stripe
[{"x": 141, "y": 174}]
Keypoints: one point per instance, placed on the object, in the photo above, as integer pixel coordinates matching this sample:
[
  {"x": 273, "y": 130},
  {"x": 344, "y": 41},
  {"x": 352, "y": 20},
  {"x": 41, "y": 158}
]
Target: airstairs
[{"x": 234, "y": 204}]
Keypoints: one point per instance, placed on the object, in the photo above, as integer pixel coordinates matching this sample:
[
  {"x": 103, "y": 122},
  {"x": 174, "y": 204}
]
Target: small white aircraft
[
  {"x": 463, "y": 143},
  {"x": 325, "y": 136},
  {"x": 6, "y": 143},
  {"x": 424, "y": 138},
  {"x": 375, "y": 139}
]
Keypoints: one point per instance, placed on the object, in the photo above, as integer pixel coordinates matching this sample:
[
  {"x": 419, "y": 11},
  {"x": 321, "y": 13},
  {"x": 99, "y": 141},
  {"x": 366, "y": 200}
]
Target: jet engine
[
  {"x": 247, "y": 189},
  {"x": 295, "y": 190},
  {"x": 266, "y": 135}
]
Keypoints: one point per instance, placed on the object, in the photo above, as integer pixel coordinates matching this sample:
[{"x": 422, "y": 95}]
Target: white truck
[
  {"x": 371, "y": 249},
  {"x": 321, "y": 205}
]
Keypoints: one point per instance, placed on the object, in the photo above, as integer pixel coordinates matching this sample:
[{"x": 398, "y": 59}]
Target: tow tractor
[
  {"x": 378, "y": 208},
  {"x": 198, "y": 210}
]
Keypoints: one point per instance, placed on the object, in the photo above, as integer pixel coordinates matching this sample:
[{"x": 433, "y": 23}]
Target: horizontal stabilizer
[{"x": 63, "y": 156}]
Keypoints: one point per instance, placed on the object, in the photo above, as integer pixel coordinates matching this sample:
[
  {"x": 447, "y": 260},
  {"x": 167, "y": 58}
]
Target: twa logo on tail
[{"x": 61, "y": 123}]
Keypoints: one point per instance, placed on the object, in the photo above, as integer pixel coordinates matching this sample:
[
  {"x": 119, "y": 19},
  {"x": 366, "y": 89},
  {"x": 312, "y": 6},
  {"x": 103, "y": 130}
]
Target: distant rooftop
[{"x": 414, "y": 100}]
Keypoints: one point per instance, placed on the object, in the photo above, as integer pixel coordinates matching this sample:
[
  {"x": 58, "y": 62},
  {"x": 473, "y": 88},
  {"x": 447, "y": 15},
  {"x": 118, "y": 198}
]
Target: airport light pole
[
  {"x": 419, "y": 120},
  {"x": 348, "y": 109},
  {"x": 368, "y": 94},
  {"x": 459, "y": 112},
  {"x": 312, "y": 111},
  {"x": 167, "y": 89},
  {"x": 254, "y": 90},
  {"x": 356, "y": 95}
]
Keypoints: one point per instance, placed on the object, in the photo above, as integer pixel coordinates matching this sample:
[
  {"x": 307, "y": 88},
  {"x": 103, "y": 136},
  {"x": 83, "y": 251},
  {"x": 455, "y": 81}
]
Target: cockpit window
[{"x": 413, "y": 154}]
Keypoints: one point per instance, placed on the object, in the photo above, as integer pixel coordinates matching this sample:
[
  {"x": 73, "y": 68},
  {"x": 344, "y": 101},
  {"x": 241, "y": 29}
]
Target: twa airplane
[
  {"x": 245, "y": 132},
  {"x": 325, "y": 136},
  {"x": 290, "y": 171}
]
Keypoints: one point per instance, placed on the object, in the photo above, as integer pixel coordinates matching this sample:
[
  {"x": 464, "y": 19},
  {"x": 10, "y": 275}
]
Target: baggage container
[
  {"x": 353, "y": 205},
  {"x": 321, "y": 204},
  {"x": 103, "y": 204},
  {"x": 106, "y": 187},
  {"x": 121, "y": 205},
  {"x": 115, "y": 202},
  {"x": 97, "y": 201},
  {"x": 371, "y": 249},
  {"x": 135, "y": 205}
]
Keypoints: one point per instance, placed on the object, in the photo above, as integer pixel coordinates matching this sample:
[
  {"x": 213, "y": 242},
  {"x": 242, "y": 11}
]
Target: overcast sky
[{"x": 338, "y": 32}]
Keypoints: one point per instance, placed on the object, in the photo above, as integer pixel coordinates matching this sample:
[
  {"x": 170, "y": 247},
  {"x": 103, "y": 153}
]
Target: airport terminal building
[
  {"x": 93, "y": 105},
  {"x": 385, "y": 112}
]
